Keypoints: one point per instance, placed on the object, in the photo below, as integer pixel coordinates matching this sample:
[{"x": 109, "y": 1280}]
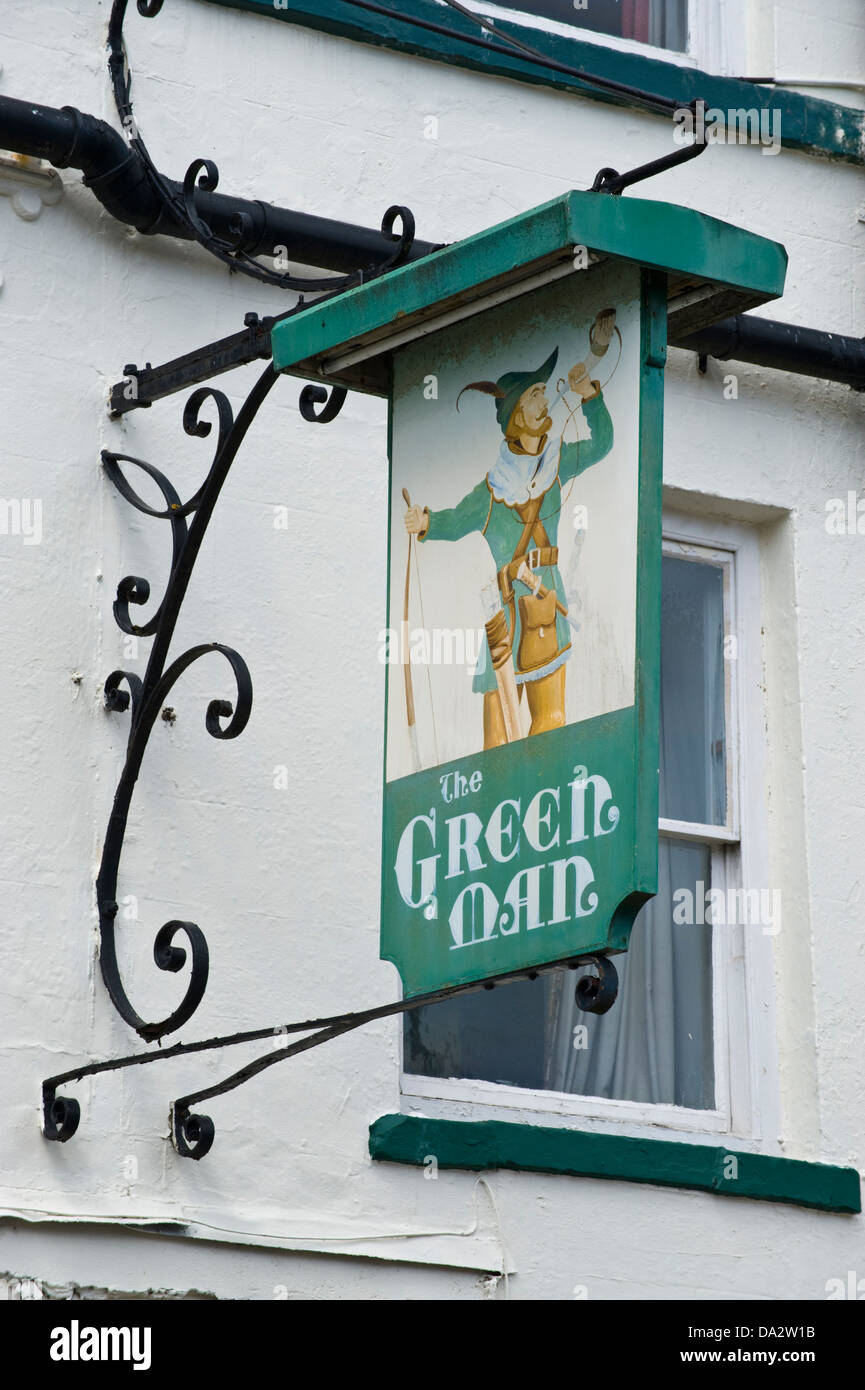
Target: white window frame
[
  {"x": 747, "y": 1098},
  {"x": 717, "y": 34}
]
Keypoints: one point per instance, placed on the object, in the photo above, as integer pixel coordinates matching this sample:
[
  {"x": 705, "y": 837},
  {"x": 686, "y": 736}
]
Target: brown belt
[{"x": 538, "y": 559}]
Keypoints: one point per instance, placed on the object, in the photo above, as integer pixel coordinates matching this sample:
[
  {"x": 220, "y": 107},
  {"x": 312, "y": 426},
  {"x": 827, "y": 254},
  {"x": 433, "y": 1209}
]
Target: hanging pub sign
[{"x": 524, "y": 371}]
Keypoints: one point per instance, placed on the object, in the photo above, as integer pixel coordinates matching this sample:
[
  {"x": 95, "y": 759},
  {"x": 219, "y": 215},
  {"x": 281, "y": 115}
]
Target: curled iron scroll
[
  {"x": 313, "y": 395},
  {"x": 166, "y": 955},
  {"x": 224, "y": 719}
]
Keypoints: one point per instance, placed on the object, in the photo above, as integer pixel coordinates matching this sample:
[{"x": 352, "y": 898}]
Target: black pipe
[
  {"x": 784, "y": 346},
  {"x": 68, "y": 138}
]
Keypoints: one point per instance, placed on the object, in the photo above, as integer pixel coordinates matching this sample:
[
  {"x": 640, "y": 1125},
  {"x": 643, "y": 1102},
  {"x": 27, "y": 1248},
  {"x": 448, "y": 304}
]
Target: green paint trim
[
  {"x": 664, "y": 1163},
  {"x": 660, "y": 236},
  {"x": 808, "y": 124},
  {"x": 647, "y": 675}
]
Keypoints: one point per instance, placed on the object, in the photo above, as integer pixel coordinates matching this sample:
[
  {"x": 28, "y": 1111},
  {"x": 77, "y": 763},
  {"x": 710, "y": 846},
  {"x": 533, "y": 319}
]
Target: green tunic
[{"x": 501, "y": 527}]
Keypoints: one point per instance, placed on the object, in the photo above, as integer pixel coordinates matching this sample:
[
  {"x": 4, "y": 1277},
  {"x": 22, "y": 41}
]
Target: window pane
[
  {"x": 663, "y": 23},
  {"x": 693, "y": 748},
  {"x": 654, "y": 1045},
  {"x": 494, "y": 1035}
]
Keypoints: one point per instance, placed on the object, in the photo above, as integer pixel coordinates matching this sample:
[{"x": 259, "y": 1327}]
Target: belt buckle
[{"x": 534, "y": 558}]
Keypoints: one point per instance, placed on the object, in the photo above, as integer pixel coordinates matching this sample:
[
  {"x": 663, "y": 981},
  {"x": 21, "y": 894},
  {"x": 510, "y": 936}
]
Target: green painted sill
[
  {"x": 807, "y": 123},
  {"x": 665, "y": 1163}
]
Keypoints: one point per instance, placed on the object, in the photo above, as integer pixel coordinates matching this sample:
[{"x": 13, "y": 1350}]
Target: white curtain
[{"x": 655, "y": 1044}]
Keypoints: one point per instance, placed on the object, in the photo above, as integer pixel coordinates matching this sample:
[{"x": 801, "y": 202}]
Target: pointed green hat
[{"x": 508, "y": 389}]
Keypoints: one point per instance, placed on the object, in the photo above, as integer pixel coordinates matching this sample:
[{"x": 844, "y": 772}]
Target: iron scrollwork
[
  {"x": 330, "y": 401},
  {"x": 192, "y": 1133},
  {"x": 145, "y": 697},
  {"x": 596, "y": 994},
  {"x": 60, "y": 1115}
]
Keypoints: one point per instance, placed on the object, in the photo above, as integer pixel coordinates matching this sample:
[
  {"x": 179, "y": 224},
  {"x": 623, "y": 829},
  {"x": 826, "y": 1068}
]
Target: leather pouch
[{"x": 539, "y": 642}]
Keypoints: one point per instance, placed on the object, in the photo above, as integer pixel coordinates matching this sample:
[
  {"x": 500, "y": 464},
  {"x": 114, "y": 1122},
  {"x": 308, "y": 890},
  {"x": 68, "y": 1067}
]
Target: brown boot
[{"x": 547, "y": 702}]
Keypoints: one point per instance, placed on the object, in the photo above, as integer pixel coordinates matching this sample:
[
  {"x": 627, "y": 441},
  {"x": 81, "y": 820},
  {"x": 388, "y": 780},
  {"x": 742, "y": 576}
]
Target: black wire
[
  {"x": 664, "y": 105},
  {"x": 231, "y": 255}
]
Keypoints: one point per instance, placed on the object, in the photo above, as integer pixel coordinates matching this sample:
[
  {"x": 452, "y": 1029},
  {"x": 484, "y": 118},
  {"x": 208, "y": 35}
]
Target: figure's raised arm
[{"x": 575, "y": 458}]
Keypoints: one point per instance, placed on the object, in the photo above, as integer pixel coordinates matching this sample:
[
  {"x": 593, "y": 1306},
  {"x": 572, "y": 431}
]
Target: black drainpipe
[
  {"x": 767, "y": 343},
  {"x": 68, "y": 138}
]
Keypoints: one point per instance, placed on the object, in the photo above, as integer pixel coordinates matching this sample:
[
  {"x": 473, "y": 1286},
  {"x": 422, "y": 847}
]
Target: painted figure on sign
[{"x": 516, "y": 508}]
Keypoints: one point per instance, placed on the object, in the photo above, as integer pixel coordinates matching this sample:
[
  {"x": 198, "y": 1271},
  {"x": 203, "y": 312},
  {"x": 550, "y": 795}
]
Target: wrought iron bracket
[
  {"x": 141, "y": 386},
  {"x": 145, "y": 697}
]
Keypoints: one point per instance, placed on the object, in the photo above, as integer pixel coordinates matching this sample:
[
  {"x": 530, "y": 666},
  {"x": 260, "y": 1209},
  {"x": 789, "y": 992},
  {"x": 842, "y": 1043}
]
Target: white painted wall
[{"x": 285, "y": 883}]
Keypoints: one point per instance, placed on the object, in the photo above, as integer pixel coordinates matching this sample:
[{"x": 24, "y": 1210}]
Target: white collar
[{"x": 510, "y": 478}]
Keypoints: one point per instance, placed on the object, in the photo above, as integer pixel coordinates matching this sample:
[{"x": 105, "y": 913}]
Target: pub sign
[{"x": 524, "y": 374}]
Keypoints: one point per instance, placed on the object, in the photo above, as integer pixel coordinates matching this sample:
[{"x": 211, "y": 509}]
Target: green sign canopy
[{"x": 524, "y": 373}]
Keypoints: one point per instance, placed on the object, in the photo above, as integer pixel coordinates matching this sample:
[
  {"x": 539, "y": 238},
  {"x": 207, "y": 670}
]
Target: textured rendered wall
[{"x": 285, "y": 882}]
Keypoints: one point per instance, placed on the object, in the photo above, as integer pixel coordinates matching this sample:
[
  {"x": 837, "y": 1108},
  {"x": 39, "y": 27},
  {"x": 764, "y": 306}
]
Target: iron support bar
[
  {"x": 192, "y": 1135},
  {"x": 611, "y": 181},
  {"x": 144, "y": 385},
  {"x": 744, "y": 338}
]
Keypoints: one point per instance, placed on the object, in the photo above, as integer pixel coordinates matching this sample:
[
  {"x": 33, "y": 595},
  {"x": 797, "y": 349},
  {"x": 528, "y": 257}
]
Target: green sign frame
[{"x": 541, "y": 850}]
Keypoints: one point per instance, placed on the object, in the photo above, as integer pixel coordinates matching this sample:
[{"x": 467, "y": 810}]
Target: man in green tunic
[{"x": 516, "y": 508}]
